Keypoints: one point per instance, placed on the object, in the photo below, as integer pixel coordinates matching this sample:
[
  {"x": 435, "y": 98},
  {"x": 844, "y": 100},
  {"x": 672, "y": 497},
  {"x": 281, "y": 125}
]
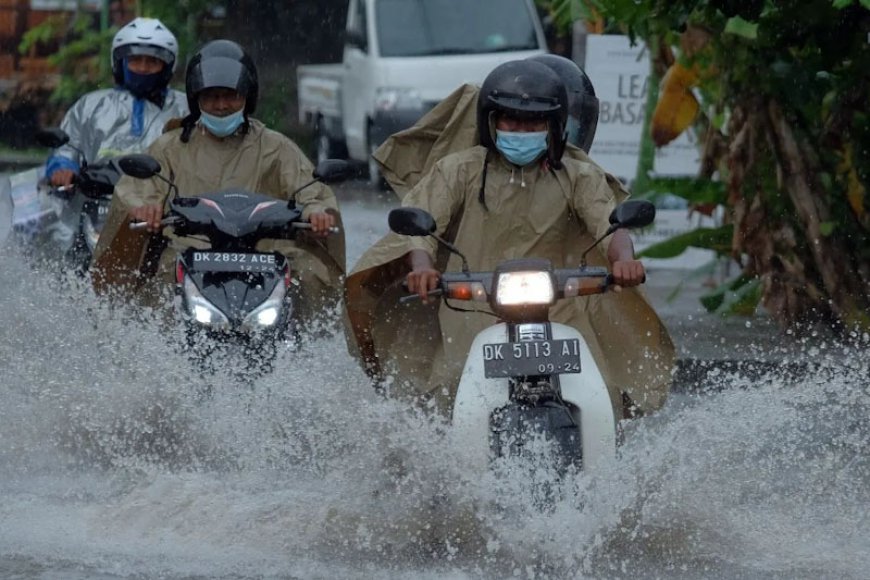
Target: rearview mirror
[
  {"x": 52, "y": 137},
  {"x": 139, "y": 166},
  {"x": 332, "y": 170},
  {"x": 411, "y": 221},
  {"x": 635, "y": 213}
]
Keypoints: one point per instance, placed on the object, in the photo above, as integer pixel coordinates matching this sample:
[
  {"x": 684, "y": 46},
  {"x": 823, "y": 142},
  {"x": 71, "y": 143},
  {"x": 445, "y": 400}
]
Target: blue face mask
[
  {"x": 223, "y": 126},
  {"x": 521, "y": 148},
  {"x": 141, "y": 85}
]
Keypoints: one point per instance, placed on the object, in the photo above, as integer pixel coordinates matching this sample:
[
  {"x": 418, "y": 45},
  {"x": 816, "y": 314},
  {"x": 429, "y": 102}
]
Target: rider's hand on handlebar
[
  {"x": 321, "y": 222},
  {"x": 150, "y": 214},
  {"x": 62, "y": 177},
  {"x": 422, "y": 281},
  {"x": 627, "y": 273}
]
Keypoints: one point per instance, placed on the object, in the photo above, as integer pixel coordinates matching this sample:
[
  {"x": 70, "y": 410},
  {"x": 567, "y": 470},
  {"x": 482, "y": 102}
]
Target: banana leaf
[
  {"x": 716, "y": 239},
  {"x": 693, "y": 190},
  {"x": 738, "y": 296}
]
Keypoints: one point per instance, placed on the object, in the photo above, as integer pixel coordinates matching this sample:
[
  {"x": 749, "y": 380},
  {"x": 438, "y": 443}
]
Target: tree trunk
[
  {"x": 806, "y": 276},
  {"x": 832, "y": 258}
]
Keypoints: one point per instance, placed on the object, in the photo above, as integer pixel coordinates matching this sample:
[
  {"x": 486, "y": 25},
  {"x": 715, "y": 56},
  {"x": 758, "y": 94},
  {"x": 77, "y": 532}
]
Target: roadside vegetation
[{"x": 778, "y": 93}]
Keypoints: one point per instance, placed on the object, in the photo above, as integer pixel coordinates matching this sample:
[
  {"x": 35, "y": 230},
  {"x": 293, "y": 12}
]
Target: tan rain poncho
[
  {"x": 261, "y": 161},
  {"x": 556, "y": 216}
]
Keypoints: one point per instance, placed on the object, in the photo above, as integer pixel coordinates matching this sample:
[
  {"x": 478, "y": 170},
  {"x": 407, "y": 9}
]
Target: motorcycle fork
[
  {"x": 532, "y": 390},
  {"x": 536, "y": 406}
]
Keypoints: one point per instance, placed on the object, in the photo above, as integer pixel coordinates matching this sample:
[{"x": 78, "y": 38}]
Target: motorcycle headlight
[
  {"x": 201, "y": 309},
  {"x": 92, "y": 236},
  {"x": 268, "y": 313},
  {"x": 521, "y": 288}
]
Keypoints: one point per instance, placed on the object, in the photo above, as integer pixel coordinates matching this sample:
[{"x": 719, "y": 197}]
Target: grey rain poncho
[{"x": 111, "y": 122}]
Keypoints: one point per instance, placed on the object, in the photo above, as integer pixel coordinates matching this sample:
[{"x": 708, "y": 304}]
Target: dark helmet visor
[
  {"x": 524, "y": 106},
  {"x": 145, "y": 50},
  {"x": 220, "y": 72}
]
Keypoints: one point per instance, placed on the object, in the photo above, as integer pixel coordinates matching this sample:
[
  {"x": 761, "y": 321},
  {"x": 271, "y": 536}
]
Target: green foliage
[
  {"x": 736, "y": 25},
  {"x": 693, "y": 190},
  {"x": 716, "y": 239},
  {"x": 181, "y": 18},
  {"x": 84, "y": 54},
  {"x": 739, "y": 296},
  {"x": 42, "y": 34},
  {"x": 840, "y": 4},
  {"x": 809, "y": 57},
  {"x": 83, "y": 57}
]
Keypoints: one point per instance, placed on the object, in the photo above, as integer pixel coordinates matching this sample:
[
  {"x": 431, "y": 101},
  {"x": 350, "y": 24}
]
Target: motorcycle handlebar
[
  {"x": 307, "y": 226},
  {"x": 168, "y": 221},
  {"x": 412, "y": 297},
  {"x": 478, "y": 286}
]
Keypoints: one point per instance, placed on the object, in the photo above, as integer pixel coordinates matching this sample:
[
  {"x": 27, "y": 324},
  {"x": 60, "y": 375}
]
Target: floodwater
[{"x": 113, "y": 465}]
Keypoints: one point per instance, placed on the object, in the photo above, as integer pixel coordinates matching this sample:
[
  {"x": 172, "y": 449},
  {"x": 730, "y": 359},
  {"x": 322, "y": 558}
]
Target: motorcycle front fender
[{"x": 477, "y": 397}]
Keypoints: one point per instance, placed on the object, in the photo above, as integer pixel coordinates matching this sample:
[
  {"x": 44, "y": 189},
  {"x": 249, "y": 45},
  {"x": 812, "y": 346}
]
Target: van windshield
[{"x": 431, "y": 27}]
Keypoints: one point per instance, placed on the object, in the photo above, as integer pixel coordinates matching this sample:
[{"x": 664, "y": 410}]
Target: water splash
[{"x": 115, "y": 465}]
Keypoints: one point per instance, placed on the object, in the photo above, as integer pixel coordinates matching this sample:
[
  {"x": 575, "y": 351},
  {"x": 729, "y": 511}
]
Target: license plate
[
  {"x": 536, "y": 357},
  {"x": 234, "y": 262}
]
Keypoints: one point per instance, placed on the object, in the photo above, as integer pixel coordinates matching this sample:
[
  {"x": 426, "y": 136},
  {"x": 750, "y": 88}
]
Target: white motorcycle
[{"x": 527, "y": 377}]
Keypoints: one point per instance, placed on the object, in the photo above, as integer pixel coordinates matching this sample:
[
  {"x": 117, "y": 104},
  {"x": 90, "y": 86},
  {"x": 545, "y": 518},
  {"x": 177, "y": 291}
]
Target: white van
[{"x": 401, "y": 57}]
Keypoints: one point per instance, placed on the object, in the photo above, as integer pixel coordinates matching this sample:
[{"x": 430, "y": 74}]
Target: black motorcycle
[
  {"x": 232, "y": 293},
  {"x": 90, "y": 194}
]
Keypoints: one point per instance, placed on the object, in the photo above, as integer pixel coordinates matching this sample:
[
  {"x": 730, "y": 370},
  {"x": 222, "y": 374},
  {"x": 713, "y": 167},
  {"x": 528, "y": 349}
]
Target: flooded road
[{"x": 112, "y": 465}]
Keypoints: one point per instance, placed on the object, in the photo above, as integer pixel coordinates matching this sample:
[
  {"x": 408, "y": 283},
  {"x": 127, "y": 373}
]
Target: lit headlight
[
  {"x": 268, "y": 313},
  {"x": 92, "y": 236},
  {"x": 389, "y": 98},
  {"x": 519, "y": 288},
  {"x": 201, "y": 309},
  {"x": 267, "y": 317}
]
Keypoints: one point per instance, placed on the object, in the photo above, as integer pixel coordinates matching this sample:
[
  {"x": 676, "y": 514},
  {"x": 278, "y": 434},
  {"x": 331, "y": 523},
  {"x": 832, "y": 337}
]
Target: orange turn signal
[
  {"x": 466, "y": 291},
  {"x": 582, "y": 286}
]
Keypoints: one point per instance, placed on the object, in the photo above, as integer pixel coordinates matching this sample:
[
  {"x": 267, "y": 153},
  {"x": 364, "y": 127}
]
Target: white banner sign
[{"x": 620, "y": 73}]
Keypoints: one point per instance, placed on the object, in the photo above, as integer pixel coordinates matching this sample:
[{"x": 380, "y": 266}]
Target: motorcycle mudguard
[
  {"x": 120, "y": 263},
  {"x": 477, "y": 397}
]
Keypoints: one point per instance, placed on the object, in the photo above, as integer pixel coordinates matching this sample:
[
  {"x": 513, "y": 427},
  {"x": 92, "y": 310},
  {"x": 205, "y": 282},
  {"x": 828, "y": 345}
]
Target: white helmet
[{"x": 146, "y": 36}]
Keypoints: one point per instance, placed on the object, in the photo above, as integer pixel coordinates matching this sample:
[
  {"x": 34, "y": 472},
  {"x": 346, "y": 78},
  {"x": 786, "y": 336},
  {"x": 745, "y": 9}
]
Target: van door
[{"x": 357, "y": 56}]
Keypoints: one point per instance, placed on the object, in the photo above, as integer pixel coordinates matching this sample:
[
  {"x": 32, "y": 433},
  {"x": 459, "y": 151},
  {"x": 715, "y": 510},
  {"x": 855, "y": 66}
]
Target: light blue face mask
[
  {"x": 521, "y": 148},
  {"x": 222, "y": 126}
]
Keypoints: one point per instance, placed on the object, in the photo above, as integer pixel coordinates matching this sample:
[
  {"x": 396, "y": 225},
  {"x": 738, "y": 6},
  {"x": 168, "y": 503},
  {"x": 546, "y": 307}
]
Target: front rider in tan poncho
[{"x": 496, "y": 205}]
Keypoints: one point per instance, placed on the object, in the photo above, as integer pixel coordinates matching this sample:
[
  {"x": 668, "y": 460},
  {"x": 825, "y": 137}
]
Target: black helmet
[
  {"x": 221, "y": 63},
  {"x": 582, "y": 102},
  {"x": 527, "y": 90}
]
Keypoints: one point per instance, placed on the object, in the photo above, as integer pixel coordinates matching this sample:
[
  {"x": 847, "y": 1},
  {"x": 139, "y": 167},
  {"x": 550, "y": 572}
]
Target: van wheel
[
  {"x": 325, "y": 147},
  {"x": 322, "y": 144},
  {"x": 376, "y": 180}
]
